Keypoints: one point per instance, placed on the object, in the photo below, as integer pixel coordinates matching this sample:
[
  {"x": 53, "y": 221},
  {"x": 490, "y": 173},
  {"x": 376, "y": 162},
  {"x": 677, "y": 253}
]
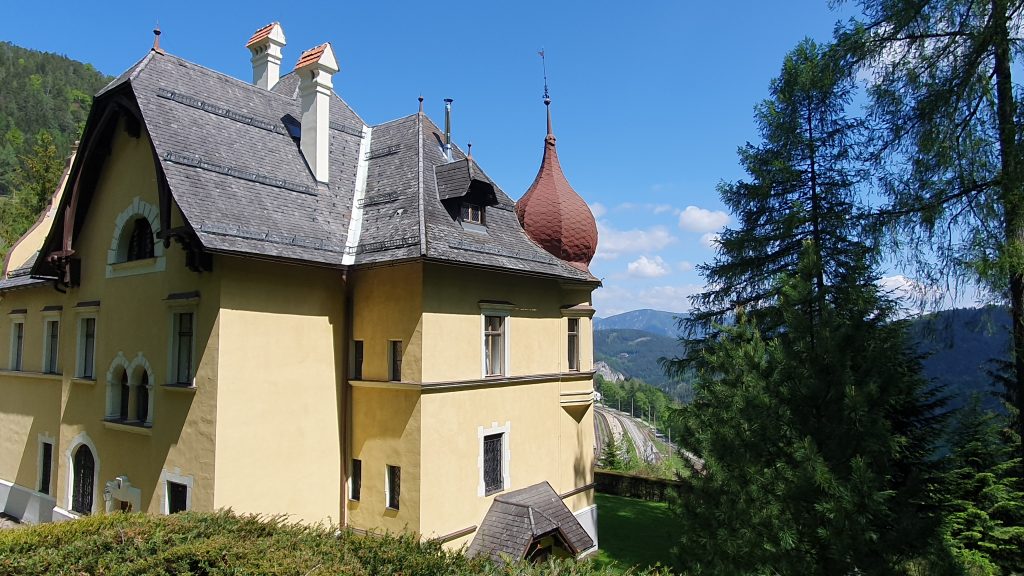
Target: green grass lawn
[{"x": 633, "y": 532}]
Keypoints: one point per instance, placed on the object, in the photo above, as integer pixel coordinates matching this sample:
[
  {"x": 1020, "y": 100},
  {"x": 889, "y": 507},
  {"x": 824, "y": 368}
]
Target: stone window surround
[
  {"x": 114, "y": 382},
  {"x": 178, "y": 478},
  {"x": 481, "y": 433},
  {"x": 16, "y": 319},
  {"x": 84, "y": 313},
  {"x": 50, "y": 316},
  {"x": 117, "y": 263},
  {"x": 82, "y": 439}
]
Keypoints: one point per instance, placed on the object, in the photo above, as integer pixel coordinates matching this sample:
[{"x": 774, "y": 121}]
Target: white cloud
[
  {"x": 613, "y": 243},
  {"x": 644, "y": 267},
  {"x": 661, "y": 208},
  {"x": 684, "y": 266},
  {"x": 598, "y": 209},
  {"x": 618, "y": 298},
  {"x": 697, "y": 219},
  {"x": 710, "y": 240}
]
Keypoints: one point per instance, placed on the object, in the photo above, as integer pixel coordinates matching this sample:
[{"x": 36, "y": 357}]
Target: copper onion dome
[{"x": 554, "y": 215}]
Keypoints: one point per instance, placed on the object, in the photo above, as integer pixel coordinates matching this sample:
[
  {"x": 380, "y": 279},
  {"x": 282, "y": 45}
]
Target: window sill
[
  {"x": 493, "y": 492},
  {"x": 134, "y": 428},
  {"x": 36, "y": 375},
  {"x": 133, "y": 267},
  {"x": 179, "y": 387},
  {"x": 83, "y": 380}
]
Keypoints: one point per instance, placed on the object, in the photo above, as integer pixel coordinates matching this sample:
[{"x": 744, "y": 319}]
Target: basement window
[
  {"x": 494, "y": 480},
  {"x": 177, "y": 497}
]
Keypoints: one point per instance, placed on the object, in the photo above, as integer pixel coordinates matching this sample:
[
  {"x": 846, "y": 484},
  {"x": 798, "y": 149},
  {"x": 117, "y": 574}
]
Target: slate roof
[
  {"x": 517, "y": 518},
  {"x": 231, "y": 157}
]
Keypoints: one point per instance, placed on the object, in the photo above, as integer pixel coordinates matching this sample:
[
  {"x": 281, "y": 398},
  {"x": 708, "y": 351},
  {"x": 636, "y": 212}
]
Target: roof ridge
[{"x": 419, "y": 182}]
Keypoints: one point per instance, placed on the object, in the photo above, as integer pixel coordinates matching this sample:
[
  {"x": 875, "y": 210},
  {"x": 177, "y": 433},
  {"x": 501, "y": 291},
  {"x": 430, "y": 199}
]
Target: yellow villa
[{"x": 244, "y": 296}]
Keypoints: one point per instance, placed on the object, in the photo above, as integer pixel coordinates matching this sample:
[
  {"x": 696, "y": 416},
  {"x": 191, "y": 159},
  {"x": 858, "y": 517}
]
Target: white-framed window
[
  {"x": 51, "y": 342},
  {"x": 392, "y": 486},
  {"x": 177, "y": 491},
  {"x": 17, "y": 360},
  {"x": 183, "y": 347},
  {"x": 494, "y": 344},
  {"x": 133, "y": 247},
  {"x": 45, "y": 477},
  {"x": 493, "y": 459},
  {"x": 355, "y": 480},
  {"x": 573, "y": 344},
  {"x": 395, "y": 360},
  {"x": 130, "y": 391},
  {"x": 86, "y": 364}
]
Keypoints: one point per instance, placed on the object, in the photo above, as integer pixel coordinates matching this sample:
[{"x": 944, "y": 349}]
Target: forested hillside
[{"x": 44, "y": 101}]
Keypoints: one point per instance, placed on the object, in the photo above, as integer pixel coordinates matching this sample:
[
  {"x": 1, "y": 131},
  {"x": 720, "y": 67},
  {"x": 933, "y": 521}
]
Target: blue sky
[{"x": 651, "y": 99}]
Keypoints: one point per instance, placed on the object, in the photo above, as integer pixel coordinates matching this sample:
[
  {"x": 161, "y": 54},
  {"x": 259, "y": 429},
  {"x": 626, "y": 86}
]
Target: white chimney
[
  {"x": 265, "y": 45},
  {"x": 315, "y": 68}
]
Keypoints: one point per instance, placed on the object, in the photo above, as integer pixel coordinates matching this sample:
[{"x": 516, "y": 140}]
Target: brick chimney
[
  {"x": 265, "y": 45},
  {"x": 315, "y": 68}
]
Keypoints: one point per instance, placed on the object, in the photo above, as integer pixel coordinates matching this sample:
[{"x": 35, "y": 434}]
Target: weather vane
[{"x": 544, "y": 63}]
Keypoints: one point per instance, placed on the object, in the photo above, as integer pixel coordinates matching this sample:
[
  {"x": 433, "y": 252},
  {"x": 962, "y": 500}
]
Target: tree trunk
[{"x": 1010, "y": 195}]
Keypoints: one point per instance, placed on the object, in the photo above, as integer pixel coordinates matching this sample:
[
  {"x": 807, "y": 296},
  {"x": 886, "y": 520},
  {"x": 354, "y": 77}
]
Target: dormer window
[
  {"x": 140, "y": 244},
  {"x": 472, "y": 213}
]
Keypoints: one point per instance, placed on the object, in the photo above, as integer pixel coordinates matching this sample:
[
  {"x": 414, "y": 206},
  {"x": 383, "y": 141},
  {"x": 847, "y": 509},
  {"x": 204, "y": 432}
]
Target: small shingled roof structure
[{"x": 518, "y": 519}]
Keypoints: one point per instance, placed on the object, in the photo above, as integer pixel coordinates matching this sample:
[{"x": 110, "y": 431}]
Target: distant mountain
[
  {"x": 960, "y": 348},
  {"x": 654, "y": 321}
]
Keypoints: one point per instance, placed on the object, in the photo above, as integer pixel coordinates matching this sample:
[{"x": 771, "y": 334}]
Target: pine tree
[
  {"x": 947, "y": 138},
  {"x": 816, "y": 429},
  {"x": 986, "y": 493},
  {"x": 611, "y": 458}
]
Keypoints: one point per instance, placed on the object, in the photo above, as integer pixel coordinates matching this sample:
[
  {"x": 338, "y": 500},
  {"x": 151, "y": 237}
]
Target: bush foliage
[{"x": 224, "y": 543}]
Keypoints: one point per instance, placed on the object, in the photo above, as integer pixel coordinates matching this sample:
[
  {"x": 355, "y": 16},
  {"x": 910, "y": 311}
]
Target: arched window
[
  {"x": 125, "y": 395},
  {"x": 82, "y": 479},
  {"x": 142, "y": 399},
  {"x": 140, "y": 244}
]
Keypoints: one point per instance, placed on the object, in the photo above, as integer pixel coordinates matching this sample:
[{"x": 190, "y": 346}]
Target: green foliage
[
  {"x": 947, "y": 142},
  {"x": 225, "y": 543},
  {"x": 815, "y": 427},
  {"x": 986, "y": 493},
  {"x": 611, "y": 454},
  {"x": 43, "y": 108}
]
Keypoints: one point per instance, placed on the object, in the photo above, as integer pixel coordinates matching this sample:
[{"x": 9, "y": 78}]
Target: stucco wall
[
  {"x": 133, "y": 327},
  {"x": 280, "y": 407}
]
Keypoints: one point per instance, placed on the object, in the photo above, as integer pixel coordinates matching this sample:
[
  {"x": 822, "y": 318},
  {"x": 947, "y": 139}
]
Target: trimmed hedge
[
  {"x": 224, "y": 543},
  {"x": 632, "y": 486}
]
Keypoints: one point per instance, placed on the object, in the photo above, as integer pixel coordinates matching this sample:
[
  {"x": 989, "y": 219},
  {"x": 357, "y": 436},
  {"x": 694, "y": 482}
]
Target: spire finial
[
  {"x": 156, "y": 38},
  {"x": 469, "y": 151},
  {"x": 421, "y": 103},
  {"x": 547, "y": 97}
]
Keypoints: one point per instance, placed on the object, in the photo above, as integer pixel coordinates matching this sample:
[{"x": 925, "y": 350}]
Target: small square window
[
  {"x": 394, "y": 485},
  {"x": 177, "y": 497},
  {"x": 51, "y": 346},
  {"x": 17, "y": 345},
  {"x": 357, "y": 360},
  {"x": 356, "y": 480},
  {"x": 395, "y": 360},
  {"x": 494, "y": 479},
  {"x": 574, "y": 344},
  {"x": 472, "y": 213}
]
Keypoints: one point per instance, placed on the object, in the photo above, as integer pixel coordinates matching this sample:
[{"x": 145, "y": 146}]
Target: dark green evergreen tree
[
  {"x": 611, "y": 455},
  {"x": 802, "y": 185},
  {"x": 816, "y": 429},
  {"x": 948, "y": 139},
  {"x": 986, "y": 493}
]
